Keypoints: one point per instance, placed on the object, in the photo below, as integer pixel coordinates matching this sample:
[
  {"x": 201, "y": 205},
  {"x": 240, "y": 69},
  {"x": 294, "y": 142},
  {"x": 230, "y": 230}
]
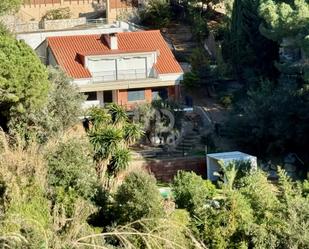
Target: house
[{"x": 126, "y": 67}]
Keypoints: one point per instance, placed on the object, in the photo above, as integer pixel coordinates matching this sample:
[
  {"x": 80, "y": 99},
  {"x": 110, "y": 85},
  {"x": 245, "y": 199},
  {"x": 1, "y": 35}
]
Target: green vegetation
[
  {"x": 64, "y": 187},
  {"x": 9, "y": 5},
  {"x": 249, "y": 53},
  {"x": 59, "y": 112},
  {"x": 191, "y": 192},
  {"x": 156, "y": 14},
  {"x": 265, "y": 44},
  {"x": 262, "y": 124},
  {"x": 23, "y": 80},
  {"x": 71, "y": 168},
  {"x": 111, "y": 134},
  {"x": 249, "y": 214},
  {"x": 138, "y": 198}
]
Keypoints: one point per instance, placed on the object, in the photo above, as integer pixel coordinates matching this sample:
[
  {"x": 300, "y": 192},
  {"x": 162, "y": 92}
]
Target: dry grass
[{"x": 159, "y": 237}]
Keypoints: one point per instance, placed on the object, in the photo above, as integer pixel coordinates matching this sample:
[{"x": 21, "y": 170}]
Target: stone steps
[{"x": 188, "y": 142}]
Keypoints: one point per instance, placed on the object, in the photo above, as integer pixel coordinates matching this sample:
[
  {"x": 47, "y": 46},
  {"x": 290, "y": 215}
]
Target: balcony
[{"x": 118, "y": 75}]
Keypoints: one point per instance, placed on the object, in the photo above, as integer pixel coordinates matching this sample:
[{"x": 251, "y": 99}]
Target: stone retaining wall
[
  {"x": 15, "y": 25},
  {"x": 63, "y": 24}
]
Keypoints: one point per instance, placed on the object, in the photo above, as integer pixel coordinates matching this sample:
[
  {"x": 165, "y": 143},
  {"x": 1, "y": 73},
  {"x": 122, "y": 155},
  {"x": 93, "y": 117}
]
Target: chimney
[{"x": 112, "y": 40}]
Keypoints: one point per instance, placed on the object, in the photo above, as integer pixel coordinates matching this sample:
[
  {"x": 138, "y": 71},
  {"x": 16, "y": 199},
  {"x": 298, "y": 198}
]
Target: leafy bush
[
  {"x": 4, "y": 31},
  {"x": 56, "y": 14},
  {"x": 9, "y": 5},
  {"x": 138, "y": 197},
  {"x": 191, "y": 191},
  {"x": 226, "y": 100},
  {"x": 306, "y": 187},
  {"x": 156, "y": 14},
  {"x": 60, "y": 112},
  {"x": 198, "y": 59},
  {"x": 190, "y": 80},
  {"x": 64, "y": 99},
  {"x": 199, "y": 27},
  {"x": 70, "y": 166},
  {"x": 226, "y": 223}
]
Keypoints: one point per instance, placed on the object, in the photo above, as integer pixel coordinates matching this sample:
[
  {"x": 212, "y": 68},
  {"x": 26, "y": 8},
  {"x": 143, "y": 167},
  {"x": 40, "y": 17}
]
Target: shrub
[
  {"x": 191, "y": 80},
  {"x": 7, "y": 6},
  {"x": 226, "y": 100},
  {"x": 138, "y": 197},
  {"x": 156, "y": 14},
  {"x": 60, "y": 112},
  {"x": 60, "y": 13},
  {"x": 191, "y": 191},
  {"x": 306, "y": 187},
  {"x": 70, "y": 166},
  {"x": 199, "y": 27},
  {"x": 198, "y": 59}
]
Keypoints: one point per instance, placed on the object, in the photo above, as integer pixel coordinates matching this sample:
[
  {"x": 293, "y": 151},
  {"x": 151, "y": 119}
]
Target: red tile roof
[{"x": 68, "y": 50}]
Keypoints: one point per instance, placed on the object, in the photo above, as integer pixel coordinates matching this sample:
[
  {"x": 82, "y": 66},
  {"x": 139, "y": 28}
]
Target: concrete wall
[
  {"x": 36, "y": 9},
  {"x": 165, "y": 169}
]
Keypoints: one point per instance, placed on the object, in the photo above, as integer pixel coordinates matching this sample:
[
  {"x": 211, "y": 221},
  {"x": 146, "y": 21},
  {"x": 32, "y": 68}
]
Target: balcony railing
[{"x": 121, "y": 75}]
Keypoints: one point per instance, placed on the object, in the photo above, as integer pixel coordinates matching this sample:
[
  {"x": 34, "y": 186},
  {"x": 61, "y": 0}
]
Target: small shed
[{"x": 226, "y": 157}]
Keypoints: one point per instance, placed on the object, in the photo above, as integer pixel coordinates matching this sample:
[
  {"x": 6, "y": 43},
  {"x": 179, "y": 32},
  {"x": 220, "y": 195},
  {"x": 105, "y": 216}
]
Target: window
[
  {"x": 91, "y": 95},
  {"x": 135, "y": 95}
]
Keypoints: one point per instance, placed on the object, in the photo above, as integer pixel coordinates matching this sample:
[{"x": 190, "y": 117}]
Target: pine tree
[{"x": 287, "y": 23}]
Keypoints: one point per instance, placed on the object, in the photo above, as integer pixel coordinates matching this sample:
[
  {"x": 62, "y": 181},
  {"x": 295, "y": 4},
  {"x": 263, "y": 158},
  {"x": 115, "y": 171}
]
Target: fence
[{"x": 165, "y": 169}]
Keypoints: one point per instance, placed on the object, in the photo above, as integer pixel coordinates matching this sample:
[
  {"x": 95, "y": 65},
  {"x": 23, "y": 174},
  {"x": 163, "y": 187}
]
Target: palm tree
[
  {"x": 132, "y": 133},
  {"x": 118, "y": 114},
  {"x": 110, "y": 136},
  {"x": 105, "y": 141},
  {"x": 99, "y": 117},
  {"x": 119, "y": 161}
]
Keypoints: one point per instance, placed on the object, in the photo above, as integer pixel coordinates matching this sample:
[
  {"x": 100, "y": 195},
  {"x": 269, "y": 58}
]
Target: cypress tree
[{"x": 249, "y": 52}]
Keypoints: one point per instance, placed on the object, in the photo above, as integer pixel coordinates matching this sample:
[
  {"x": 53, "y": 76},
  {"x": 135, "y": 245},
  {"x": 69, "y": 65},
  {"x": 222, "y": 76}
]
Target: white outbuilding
[{"x": 214, "y": 159}]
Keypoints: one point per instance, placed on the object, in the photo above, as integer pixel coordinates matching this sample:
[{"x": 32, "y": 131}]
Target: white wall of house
[{"x": 168, "y": 77}]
